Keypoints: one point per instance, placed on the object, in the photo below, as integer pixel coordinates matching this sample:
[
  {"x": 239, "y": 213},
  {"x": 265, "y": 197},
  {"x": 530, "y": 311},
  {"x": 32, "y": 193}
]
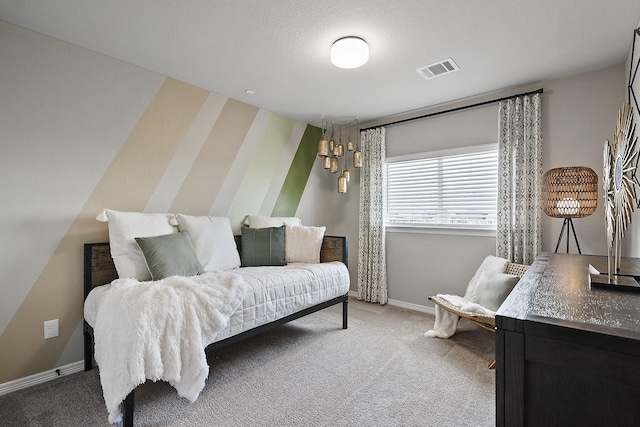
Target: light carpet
[{"x": 381, "y": 371}]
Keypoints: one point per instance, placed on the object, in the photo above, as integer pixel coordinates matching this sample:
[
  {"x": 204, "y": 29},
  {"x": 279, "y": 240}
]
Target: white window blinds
[{"x": 450, "y": 188}]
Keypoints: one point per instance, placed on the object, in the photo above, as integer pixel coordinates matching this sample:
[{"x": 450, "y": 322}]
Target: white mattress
[{"x": 275, "y": 292}]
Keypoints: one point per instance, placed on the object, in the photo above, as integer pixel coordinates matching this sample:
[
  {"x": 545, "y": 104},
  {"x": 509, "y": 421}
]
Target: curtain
[
  {"x": 519, "y": 222},
  {"x": 372, "y": 263}
]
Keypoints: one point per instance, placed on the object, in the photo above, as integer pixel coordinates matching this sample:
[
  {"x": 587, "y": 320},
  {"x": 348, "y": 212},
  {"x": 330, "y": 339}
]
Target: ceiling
[{"x": 280, "y": 48}]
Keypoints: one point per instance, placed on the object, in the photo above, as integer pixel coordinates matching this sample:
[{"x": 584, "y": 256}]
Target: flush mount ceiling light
[{"x": 349, "y": 52}]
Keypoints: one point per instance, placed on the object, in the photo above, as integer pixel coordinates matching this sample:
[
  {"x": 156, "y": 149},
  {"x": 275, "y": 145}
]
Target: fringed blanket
[{"x": 158, "y": 330}]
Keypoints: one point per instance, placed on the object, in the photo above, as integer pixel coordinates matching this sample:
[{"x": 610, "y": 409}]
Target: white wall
[
  {"x": 452, "y": 130},
  {"x": 57, "y": 133},
  {"x": 81, "y": 132},
  {"x": 422, "y": 264},
  {"x": 339, "y": 212},
  {"x": 579, "y": 114}
]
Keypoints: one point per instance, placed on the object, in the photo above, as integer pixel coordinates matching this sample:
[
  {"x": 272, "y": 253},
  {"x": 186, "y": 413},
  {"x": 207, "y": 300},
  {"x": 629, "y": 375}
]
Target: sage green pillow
[
  {"x": 170, "y": 255},
  {"x": 262, "y": 246}
]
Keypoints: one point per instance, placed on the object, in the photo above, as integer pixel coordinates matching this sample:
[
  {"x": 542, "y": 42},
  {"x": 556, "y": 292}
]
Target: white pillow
[
  {"x": 260, "y": 221},
  {"x": 124, "y": 227},
  {"x": 491, "y": 264},
  {"x": 212, "y": 240},
  {"x": 302, "y": 244},
  {"x": 493, "y": 288}
]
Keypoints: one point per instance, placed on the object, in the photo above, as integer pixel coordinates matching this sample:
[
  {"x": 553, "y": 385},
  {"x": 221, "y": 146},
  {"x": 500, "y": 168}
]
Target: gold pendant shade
[
  {"x": 323, "y": 147},
  {"x": 326, "y": 162},
  {"x": 333, "y": 162}
]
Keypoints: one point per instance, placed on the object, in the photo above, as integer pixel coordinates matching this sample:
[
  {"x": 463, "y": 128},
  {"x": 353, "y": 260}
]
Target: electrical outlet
[{"x": 51, "y": 329}]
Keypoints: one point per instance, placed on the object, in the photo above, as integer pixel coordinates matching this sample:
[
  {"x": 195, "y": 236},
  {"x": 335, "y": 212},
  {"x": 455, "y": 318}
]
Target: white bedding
[
  {"x": 275, "y": 292},
  {"x": 271, "y": 293},
  {"x": 157, "y": 330}
]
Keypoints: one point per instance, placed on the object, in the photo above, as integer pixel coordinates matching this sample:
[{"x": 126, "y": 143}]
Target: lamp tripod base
[{"x": 568, "y": 222}]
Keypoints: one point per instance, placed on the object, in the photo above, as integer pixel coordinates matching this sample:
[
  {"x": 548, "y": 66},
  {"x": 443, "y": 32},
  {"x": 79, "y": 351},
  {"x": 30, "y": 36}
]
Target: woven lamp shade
[{"x": 570, "y": 192}]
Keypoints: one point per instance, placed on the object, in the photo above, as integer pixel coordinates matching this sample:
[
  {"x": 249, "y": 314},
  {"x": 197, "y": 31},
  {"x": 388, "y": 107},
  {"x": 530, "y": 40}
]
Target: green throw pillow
[
  {"x": 262, "y": 246},
  {"x": 170, "y": 255}
]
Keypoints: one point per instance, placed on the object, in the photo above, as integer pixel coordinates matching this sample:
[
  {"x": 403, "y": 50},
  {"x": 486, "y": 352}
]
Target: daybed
[{"x": 265, "y": 297}]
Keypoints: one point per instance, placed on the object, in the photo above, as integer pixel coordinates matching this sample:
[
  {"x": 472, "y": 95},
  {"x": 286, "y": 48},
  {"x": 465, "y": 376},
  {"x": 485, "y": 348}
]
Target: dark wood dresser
[{"x": 567, "y": 354}]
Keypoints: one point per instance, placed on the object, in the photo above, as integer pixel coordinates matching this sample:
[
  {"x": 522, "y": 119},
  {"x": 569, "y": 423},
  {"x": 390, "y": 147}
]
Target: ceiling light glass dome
[{"x": 349, "y": 52}]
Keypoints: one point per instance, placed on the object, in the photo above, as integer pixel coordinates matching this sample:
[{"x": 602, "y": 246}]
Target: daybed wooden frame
[{"x": 99, "y": 270}]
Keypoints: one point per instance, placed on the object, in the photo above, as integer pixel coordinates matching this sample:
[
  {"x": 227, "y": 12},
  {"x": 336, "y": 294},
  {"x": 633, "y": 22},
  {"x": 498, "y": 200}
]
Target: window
[{"x": 444, "y": 189}]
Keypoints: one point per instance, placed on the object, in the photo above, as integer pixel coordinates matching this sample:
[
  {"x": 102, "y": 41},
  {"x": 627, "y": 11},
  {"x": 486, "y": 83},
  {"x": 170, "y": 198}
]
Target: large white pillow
[
  {"x": 491, "y": 264},
  {"x": 124, "y": 227},
  {"x": 302, "y": 244},
  {"x": 261, "y": 221},
  {"x": 212, "y": 239}
]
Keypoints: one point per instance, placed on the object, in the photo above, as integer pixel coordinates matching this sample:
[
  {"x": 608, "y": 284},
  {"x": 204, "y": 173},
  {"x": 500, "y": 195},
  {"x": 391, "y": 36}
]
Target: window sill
[{"x": 481, "y": 232}]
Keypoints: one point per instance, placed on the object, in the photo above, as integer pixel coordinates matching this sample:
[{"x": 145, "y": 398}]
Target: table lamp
[{"x": 569, "y": 192}]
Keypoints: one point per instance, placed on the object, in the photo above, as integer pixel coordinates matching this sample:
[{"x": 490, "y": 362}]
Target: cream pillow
[
  {"x": 212, "y": 239},
  {"x": 261, "y": 221},
  {"x": 303, "y": 244},
  {"x": 124, "y": 227}
]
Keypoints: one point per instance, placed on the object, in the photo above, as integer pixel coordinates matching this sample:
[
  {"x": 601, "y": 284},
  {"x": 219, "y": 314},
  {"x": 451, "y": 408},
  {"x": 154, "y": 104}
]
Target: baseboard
[
  {"x": 411, "y": 306},
  {"x": 402, "y": 304},
  {"x": 41, "y": 377}
]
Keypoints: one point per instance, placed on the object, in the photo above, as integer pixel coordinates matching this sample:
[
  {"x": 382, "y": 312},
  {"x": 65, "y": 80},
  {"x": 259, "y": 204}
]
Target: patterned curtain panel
[
  {"x": 519, "y": 228},
  {"x": 372, "y": 262}
]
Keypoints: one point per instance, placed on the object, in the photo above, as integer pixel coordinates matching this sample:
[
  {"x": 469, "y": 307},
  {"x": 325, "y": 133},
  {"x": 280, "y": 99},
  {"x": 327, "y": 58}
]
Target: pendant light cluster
[{"x": 334, "y": 154}]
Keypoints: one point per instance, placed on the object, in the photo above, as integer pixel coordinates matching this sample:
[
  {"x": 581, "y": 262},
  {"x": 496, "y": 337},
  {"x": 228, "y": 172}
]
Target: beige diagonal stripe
[
  {"x": 175, "y": 174},
  {"x": 201, "y": 186},
  {"x": 127, "y": 184}
]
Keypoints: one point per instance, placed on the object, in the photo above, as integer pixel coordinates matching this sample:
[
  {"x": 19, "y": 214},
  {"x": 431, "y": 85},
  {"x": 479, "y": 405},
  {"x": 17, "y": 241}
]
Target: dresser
[{"x": 568, "y": 354}]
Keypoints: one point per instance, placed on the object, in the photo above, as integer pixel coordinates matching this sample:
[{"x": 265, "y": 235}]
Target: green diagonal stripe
[{"x": 298, "y": 175}]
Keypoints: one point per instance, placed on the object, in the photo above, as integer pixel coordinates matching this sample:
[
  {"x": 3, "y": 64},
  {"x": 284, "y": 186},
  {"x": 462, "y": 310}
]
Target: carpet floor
[{"x": 381, "y": 371}]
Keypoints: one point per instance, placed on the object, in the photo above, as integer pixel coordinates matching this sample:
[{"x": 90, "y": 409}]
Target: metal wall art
[
  {"x": 633, "y": 70},
  {"x": 620, "y": 162},
  {"x": 619, "y": 179}
]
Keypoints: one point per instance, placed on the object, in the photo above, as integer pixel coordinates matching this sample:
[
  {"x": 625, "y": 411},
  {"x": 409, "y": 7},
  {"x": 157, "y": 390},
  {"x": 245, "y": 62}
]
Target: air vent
[{"x": 438, "y": 69}]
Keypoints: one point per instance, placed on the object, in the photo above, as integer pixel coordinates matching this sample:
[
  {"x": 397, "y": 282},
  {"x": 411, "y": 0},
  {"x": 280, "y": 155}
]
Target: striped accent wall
[{"x": 190, "y": 151}]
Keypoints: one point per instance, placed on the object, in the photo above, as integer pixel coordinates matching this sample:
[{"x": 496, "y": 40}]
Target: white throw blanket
[
  {"x": 158, "y": 330},
  {"x": 447, "y": 322}
]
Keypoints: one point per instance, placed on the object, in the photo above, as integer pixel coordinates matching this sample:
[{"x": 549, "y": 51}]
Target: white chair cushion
[
  {"x": 493, "y": 288},
  {"x": 492, "y": 264}
]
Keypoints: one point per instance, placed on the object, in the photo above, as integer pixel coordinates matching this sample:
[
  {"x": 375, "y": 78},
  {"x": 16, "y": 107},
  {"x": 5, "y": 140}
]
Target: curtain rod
[{"x": 479, "y": 104}]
